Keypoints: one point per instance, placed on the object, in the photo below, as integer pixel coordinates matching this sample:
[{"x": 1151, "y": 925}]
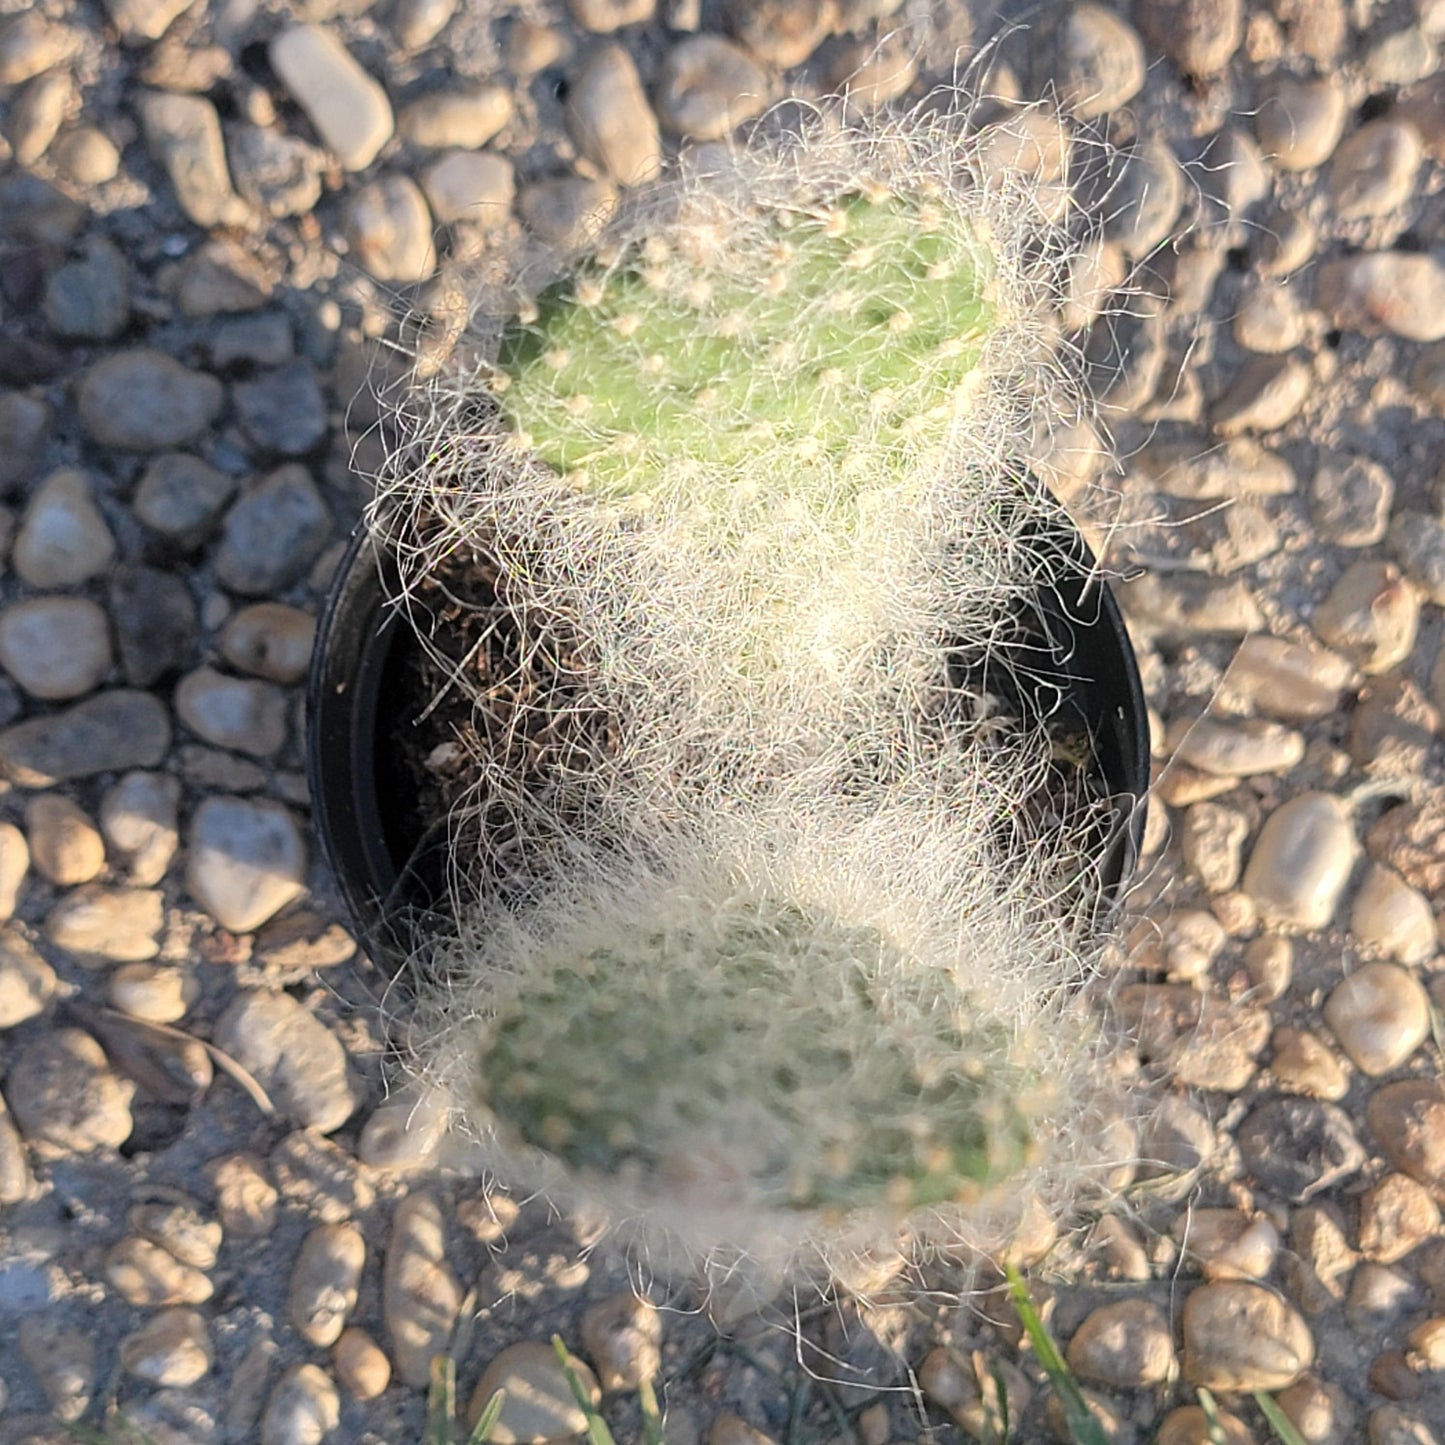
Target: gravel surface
[{"x": 221, "y": 1219}]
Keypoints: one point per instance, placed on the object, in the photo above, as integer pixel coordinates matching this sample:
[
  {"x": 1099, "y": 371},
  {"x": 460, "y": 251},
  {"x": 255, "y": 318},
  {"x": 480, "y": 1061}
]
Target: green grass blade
[
  {"x": 1279, "y": 1422},
  {"x": 482, "y": 1430},
  {"x": 441, "y": 1400},
  {"x": 597, "y": 1431},
  {"x": 1082, "y": 1426},
  {"x": 651, "y": 1416}
]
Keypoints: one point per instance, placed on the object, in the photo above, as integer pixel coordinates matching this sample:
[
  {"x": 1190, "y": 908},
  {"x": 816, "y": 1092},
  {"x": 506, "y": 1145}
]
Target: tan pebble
[
  {"x": 1390, "y": 915},
  {"x": 419, "y": 1295},
  {"x": 1380, "y": 1014},
  {"x": 1301, "y": 861},
  {"x": 1390, "y": 1425},
  {"x": 1396, "y": 1215},
  {"x": 27, "y": 981},
  {"x": 179, "y": 1227},
  {"x": 1212, "y": 839},
  {"x": 1126, "y": 1346},
  {"x": 969, "y": 1390},
  {"x": 1427, "y": 1340},
  {"x": 1320, "y": 1261},
  {"x": 1227, "y": 1244},
  {"x": 94, "y": 923},
  {"x": 1379, "y": 1298},
  {"x": 707, "y": 86},
  {"x": 404, "y": 1132},
  {"x": 1370, "y": 616},
  {"x": 1303, "y": 1064},
  {"x": 14, "y": 865},
  {"x": 245, "y": 1198},
  {"x": 142, "y": 1273},
  {"x": 1269, "y": 961},
  {"x": 1189, "y": 1425},
  {"x": 730, "y": 1429},
  {"x": 86, "y": 155},
  {"x": 1408, "y": 1120},
  {"x": 156, "y": 993},
  {"x": 303, "y": 1409},
  {"x": 360, "y": 1364},
  {"x": 1235, "y": 750},
  {"x": 172, "y": 1349},
  {"x": 1319, "y": 1410},
  {"x": 65, "y": 846},
  {"x": 1241, "y": 1336},
  {"x": 622, "y": 1336},
  {"x": 64, "y": 1095},
  {"x": 539, "y": 1402},
  {"x": 325, "y": 1281},
  {"x": 321, "y": 1176},
  {"x": 1301, "y": 121}
]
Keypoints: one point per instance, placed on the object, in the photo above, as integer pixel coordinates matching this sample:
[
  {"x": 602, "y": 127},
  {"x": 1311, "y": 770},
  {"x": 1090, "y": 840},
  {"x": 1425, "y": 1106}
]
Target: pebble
[
  {"x": 1304, "y": 1064},
  {"x": 278, "y": 174},
  {"x": 1237, "y": 749},
  {"x": 86, "y": 155},
  {"x": 16, "y": 1181},
  {"x": 1428, "y": 1341},
  {"x": 154, "y": 993},
  {"x": 1396, "y": 1215},
  {"x": 1241, "y": 1336},
  {"x": 245, "y": 862},
  {"x": 282, "y": 412},
  {"x": 56, "y": 648},
  {"x": 245, "y": 1198},
  {"x": 1402, "y": 58},
  {"x": 172, "y": 1348},
  {"x": 467, "y": 118},
  {"x": 1199, "y": 36},
  {"x": 622, "y": 1336},
  {"x": 1190, "y": 1425},
  {"x": 96, "y": 922},
  {"x": 138, "y": 819},
  {"x": 348, "y": 108},
  {"x": 1373, "y": 171},
  {"x": 269, "y": 640},
  {"x": 403, "y": 1133},
  {"x": 183, "y": 134},
  {"x": 273, "y": 534},
  {"x": 416, "y": 23},
  {"x": 1370, "y": 616},
  {"x": 1299, "y": 1147},
  {"x": 539, "y": 1405},
  {"x": 27, "y": 981},
  {"x": 88, "y": 299},
  {"x": 145, "y": 401},
  {"x": 360, "y": 1364},
  {"x": 707, "y": 86},
  {"x": 320, "y": 1176},
  {"x": 35, "y": 212},
  {"x": 31, "y": 44},
  {"x": 1264, "y": 394},
  {"x": 154, "y": 616},
  {"x": 1390, "y": 915},
  {"x": 14, "y": 865},
  {"x": 220, "y": 276},
  {"x": 605, "y": 16},
  {"x": 24, "y": 426},
  {"x": 177, "y": 65},
  {"x": 1300, "y": 122},
  {"x": 63, "y": 539},
  {"x": 182, "y": 498},
  {"x": 242, "y": 343},
  {"x": 1234, "y": 178},
  {"x": 1390, "y": 1425},
  {"x": 1319, "y": 1410},
  {"x": 1402, "y": 292},
  {"x": 473, "y": 186},
  {"x": 611, "y": 120},
  {"x": 64, "y": 845},
  {"x": 1408, "y": 1121},
  {"x": 1302, "y": 861},
  {"x": 63, "y": 1362},
  {"x": 390, "y": 230},
  {"x": 1143, "y": 195},
  {"x": 1096, "y": 61},
  {"x": 65, "y": 1097},
  {"x": 871, "y": 73},
  {"x": 325, "y": 1282},
  {"x": 420, "y": 1298},
  {"x": 297, "y": 1060},
  {"x": 1393, "y": 728},
  {"x": 1171, "y": 609},
  {"x": 1175, "y": 1138},
  {"x": 1417, "y": 542},
  {"x": 1379, "y": 1299},
  {"x": 1228, "y": 1244},
  {"x": 1125, "y": 1346},
  {"x": 1269, "y": 320},
  {"x": 139, "y": 21},
  {"x": 568, "y": 212},
  {"x": 303, "y": 1408},
  {"x": 782, "y": 33},
  {"x": 1350, "y": 500},
  {"x": 1380, "y": 1014},
  {"x": 1198, "y": 472},
  {"x": 1212, "y": 840},
  {"x": 1410, "y": 839},
  {"x": 231, "y": 712},
  {"x": 107, "y": 733}
]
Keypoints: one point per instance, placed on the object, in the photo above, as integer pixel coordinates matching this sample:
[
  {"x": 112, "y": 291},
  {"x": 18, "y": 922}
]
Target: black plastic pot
[{"x": 1074, "y": 662}]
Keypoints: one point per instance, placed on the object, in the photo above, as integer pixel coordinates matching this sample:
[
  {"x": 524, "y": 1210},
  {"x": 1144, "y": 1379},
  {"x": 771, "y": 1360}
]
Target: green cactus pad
[
  {"x": 809, "y": 357},
  {"x": 757, "y": 1047}
]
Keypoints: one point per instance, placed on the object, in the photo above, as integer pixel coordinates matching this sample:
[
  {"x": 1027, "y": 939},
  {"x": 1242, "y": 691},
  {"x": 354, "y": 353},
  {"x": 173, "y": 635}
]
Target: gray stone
[
  {"x": 89, "y": 299},
  {"x": 183, "y": 134},
  {"x": 278, "y": 174},
  {"x": 246, "y": 861},
  {"x": 1300, "y": 122},
  {"x": 55, "y": 647},
  {"x": 567, "y": 212},
  {"x": 282, "y": 412},
  {"x": 64, "y": 1096},
  {"x": 390, "y": 230},
  {"x": 233, "y": 712},
  {"x": 34, "y": 212},
  {"x": 62, "y": 1359},
  {"x": 264, "y": 340},
  {"x": 1199, "y": 36},
  {"x": 610, "y": 119},
  {"x": 138, "y": 819},
  {"x": 63, "y": 539},
  {"x": 182, "y": 497},
  {"x": 470, "y": 186},
  {"x": 221, "y": 276},
  {"x": 1096, "y": 61},
  {"x": 107, "y": 733},
  {"x": 294, "y": 1057},
  {"x": 348, "y": 108},
  {"x": 1299, "y": 1147},
  {"x": 273, "y": 534},
  {"x": 466, "y": 118},
  {"x": 155, "y": 622},
  {"x": 145, "y": 401},
  {"x": 707, "y": 87},
  {"x": 24, "y": 426}
]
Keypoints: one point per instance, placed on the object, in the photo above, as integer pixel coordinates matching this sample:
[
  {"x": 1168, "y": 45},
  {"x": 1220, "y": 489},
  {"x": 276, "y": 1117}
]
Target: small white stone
[
  {"x": 233, "y": 712},
  {"x": 1380, "y": 1014},
  {"x": 1370, "y": 616},
  {"x": 1390, "y": 915},
  {"x": 348, "y": 108},
  {"x": 1302, "y": 861},
  {"x": 119, "y": 924},
  {"x": 466, "y": 118},
  {"x": 157, "y": 993},
  {"x": 55, "y": 647},
  {"x": 245, "y": 862},
  {"x": 1236, "y": 749},
  {"x": 473, "y": 186},
  {"x": 138, "y": 818},
  {"x": 63, "y": 539},
  {"x": 27, "y": 982}
]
